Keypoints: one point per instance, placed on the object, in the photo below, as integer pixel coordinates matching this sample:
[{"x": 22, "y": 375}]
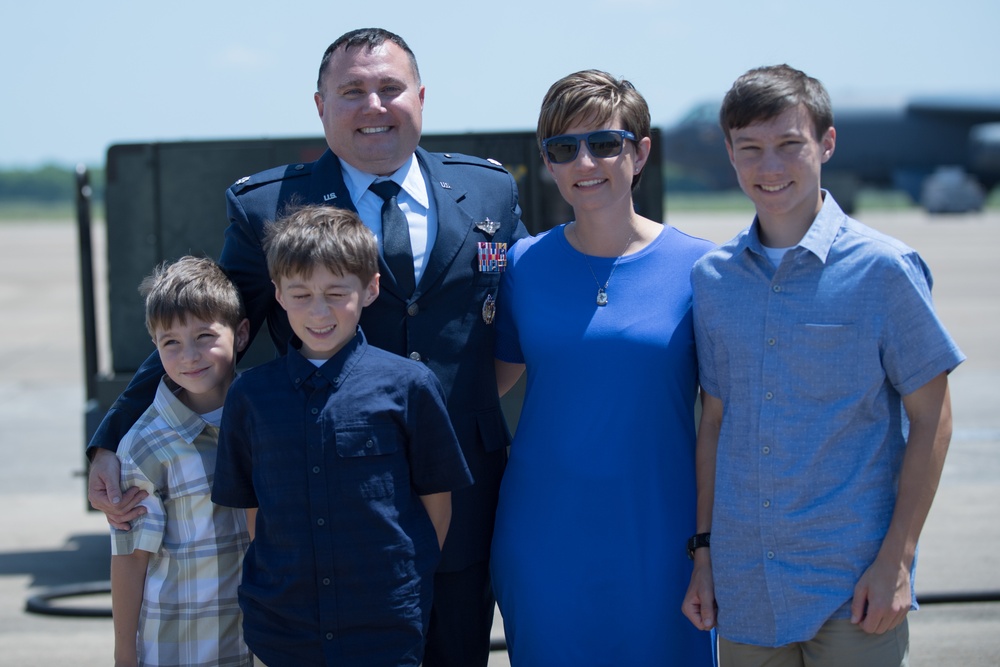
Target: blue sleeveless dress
[{"x": 598, "y": 499}]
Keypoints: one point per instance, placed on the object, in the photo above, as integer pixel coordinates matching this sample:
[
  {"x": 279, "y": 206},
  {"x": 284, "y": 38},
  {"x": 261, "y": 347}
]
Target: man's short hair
[
  {"x": 310, "y": 236},
  {"x": 369, "y": 38},
  {"x": 592, "y": 96},
  {"x": 193, "y": 287},
  {"x": 764, "y": 93}
]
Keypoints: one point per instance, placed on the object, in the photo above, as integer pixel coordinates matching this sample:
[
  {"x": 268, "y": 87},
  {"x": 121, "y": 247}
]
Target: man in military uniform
[{"x": 457, "y": 210}]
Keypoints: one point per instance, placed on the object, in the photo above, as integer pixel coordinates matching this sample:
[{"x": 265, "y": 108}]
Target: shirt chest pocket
[
  {"x": 828, "y": 363},
  {"x": 368, "y": 457}
]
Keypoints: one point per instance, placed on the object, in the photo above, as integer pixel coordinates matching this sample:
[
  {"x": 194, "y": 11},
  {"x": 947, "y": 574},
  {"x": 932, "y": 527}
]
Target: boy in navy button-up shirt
[{"x": 345, "y": 457}]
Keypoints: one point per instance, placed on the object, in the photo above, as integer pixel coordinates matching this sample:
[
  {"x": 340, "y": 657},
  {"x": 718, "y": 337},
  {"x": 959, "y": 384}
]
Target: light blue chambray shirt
[{"x": 810, "y": 360}]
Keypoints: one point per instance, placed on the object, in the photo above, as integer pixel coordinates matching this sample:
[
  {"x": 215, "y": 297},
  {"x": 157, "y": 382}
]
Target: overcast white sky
[{"x": 76, "y": 77}]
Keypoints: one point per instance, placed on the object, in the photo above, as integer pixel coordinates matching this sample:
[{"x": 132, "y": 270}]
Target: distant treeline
[{"x": 49, "y": 184}]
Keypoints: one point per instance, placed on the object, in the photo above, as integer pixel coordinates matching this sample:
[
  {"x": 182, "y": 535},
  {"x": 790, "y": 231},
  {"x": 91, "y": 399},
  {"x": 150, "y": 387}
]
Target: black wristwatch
[{"x": 697, "y": 542}]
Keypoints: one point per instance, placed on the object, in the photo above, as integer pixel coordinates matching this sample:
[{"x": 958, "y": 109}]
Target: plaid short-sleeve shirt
[{"x": 190, "y": 614}]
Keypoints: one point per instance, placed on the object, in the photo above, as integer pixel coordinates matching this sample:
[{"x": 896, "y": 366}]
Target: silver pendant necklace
[{"x": 602, "y": 290}]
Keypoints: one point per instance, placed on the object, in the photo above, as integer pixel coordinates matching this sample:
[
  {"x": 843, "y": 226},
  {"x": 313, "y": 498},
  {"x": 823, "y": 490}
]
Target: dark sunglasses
[{"x": 601, "y": 143}]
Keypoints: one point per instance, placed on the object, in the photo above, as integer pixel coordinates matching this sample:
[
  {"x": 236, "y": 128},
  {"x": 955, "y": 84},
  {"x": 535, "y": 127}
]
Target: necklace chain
[{"x": 602, "y": 290}]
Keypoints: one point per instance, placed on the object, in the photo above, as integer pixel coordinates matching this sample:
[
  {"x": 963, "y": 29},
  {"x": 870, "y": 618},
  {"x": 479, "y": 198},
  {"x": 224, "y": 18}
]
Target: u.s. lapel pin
[
  {"x": 488, "y": 226},
  {"x": 329, "y": 196}
]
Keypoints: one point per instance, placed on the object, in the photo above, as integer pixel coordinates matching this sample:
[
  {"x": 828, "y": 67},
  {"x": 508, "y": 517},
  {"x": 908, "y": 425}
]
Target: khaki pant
[{"x": 838, "y": 643}]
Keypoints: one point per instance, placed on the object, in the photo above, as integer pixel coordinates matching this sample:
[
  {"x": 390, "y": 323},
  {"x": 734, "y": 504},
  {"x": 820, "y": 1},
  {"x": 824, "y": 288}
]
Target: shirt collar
[
  {"x": 187, "y": 423},
  {"x": 333, "y": 372},
  {"x": 819, "y": 237},
  {"x": 409, "y": 177}
]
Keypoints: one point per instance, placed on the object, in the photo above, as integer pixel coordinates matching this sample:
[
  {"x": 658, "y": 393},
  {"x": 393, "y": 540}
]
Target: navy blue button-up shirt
[
  {"x": 810, "y": 360},
  {"x": 335, "y": 458}
]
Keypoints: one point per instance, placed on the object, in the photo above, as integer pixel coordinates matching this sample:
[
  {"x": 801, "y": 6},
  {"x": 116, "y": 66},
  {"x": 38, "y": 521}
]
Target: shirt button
[
  {"x": 320, "y": 522},
  {"x": 766, "y": 450},
  {"x": 776, "y": 288},
  {"x": 315, "y": 411},
  {"x": 369, "y": 444},
  {"x": 767, "y": 503},
  {"x": 770, "y": 341},
  {"x": 412, "y": 309},
  {"x": 415, "y": 356},
  {"x": 329, "y": 635},
  {"x": 769, "y": 396},
  {"x": 770, "y": 555},
  {"x": 316, "y": 469},
  {"x": 326, "y": 581}
]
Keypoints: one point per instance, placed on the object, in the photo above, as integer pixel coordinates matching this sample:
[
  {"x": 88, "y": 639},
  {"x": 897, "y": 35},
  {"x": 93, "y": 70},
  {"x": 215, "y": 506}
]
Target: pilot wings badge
[{"x": 488, "y": 226}]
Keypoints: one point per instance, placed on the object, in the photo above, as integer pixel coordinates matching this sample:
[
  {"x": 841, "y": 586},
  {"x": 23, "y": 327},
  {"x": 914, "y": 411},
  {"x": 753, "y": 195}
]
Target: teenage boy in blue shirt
[
  {"x": 817, "y": 343},
  {"x": 345, "y": 457}
]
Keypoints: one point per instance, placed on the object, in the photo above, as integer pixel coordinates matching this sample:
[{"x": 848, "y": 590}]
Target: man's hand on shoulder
[{"x": 104, "y": 491}]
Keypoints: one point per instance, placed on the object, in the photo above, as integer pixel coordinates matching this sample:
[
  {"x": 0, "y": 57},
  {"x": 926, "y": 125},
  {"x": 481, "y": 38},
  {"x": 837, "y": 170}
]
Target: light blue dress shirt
[
  {"x": 413, "y": 200},
  {"x": 810, "y": 359}
]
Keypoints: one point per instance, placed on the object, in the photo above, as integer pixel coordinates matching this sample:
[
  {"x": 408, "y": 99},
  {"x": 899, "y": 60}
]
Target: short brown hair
[
  {"x": 368, "y": 38},
  {"x": 592, "y": 96},
  {"x": 310, "y": 236},
  {"x": 764, "y": 93},
  {"x": 190, "y": 287}
]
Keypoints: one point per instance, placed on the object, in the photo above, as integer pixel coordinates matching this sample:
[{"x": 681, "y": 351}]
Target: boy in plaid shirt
[{"x": 174, "y": 576}]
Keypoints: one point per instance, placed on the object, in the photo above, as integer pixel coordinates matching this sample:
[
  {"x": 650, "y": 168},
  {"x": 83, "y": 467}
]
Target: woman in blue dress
[{"x": 589, "y": 562}]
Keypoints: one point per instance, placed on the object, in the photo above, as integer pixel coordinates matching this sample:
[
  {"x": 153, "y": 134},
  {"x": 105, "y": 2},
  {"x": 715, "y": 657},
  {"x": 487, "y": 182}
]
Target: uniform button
[
  {"x": 412, "y": 309},
  {"x": 329, "y": 635},
  {"x": 766, "y": 450},
  {"x": 326, "y": 581},
  {"x": 776, "y": 288},
  {"x": 767, "y": 503},
  {"x": 315, "y": 411},
  {"x": 415, "y": 356},
  {"x": 320, "y": 522},
  {"x": 769, "y": 396},
  {"x": 299, "y": 167},
  {"x": 770, "y": 555},
  {"x": 316, "y": 469},
  {"x": 370, "y": 444},
  {"x": 770, "y": 341}
]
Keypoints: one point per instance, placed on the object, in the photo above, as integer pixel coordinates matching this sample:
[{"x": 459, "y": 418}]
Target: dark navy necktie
[{"x": 395, "y": 236}]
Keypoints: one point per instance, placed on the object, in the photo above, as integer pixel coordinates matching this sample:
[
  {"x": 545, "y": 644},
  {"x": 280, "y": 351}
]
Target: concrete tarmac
[{"x": 48, "y": 539}]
